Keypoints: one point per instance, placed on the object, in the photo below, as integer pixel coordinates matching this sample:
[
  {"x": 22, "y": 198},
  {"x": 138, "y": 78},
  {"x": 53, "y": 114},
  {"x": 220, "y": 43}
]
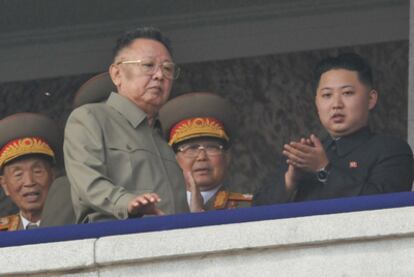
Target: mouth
[
  {"x": 32, "y": 196},
  {"x": 155, "y": 88},
  {"x": 338, "y": 118},
  {"x": 202, "y": 170}
]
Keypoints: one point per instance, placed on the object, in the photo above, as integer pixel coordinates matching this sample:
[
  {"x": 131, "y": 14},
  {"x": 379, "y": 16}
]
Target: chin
[
  {"x": 33, "y": 206},
  {"x": 207, "y": 187},
  {"x": 339, "y": 133},
  {"x": 204, "y": 184},
  {"x": 158, "y": 102},
  {"x": 338, "y": 130}
]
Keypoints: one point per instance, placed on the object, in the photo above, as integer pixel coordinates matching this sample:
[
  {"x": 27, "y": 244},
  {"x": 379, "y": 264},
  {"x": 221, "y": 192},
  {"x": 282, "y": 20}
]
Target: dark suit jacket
[
  {"x": 58, "y": 208},
  {"x": 362, "y": 163}
]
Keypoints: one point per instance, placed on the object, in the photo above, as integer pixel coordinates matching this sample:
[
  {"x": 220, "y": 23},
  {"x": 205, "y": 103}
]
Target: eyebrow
[
  {"x": 34, "y": 164},
  {"x": 342, "y": 87}
]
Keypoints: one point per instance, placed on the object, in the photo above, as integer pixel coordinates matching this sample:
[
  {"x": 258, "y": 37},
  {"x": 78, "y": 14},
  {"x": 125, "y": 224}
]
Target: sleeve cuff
[{"x": 121, "y": 206}]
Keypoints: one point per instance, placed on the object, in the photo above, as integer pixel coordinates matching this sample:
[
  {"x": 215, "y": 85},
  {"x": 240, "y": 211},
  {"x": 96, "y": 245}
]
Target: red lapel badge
[{"x": 353, "y": 164}]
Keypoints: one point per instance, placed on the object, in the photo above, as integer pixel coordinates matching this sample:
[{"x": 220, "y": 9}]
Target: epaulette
[
  {"x": 230, "y": 200},
  {"x": 9, "y": 223}
]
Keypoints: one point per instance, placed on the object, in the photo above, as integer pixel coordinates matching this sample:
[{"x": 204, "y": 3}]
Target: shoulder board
[
  {"x": 9, "y": 223},
  {"x": 240, "y": 196},
  {"x": 221, "y": 200},
  {"x": 226, "y": 200}
]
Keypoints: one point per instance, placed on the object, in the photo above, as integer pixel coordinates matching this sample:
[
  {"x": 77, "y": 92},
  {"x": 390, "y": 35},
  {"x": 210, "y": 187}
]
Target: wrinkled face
[
  {"x": 343, "y": 102},
  {"x": 149, "y": 92},
  {"x": 27, "y": 183},
  {"x": 208, "y": 171}
]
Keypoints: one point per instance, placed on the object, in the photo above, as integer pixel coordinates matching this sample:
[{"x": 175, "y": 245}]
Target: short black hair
[
  {"x": 141, "y": 32},
  {"x": 349, "y": 61}
]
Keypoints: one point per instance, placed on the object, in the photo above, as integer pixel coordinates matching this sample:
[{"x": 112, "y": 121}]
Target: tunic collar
[
  {"x": 127, "y": 108},
  {"x": 207, "y": 195},
  {"x": 346, "y": 144},
  {"x": 26, "y": 222}
]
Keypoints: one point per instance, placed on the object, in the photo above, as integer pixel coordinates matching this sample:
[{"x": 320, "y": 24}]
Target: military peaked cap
[
  {"x": 197, "y": 114},
  {"x": 96, "y": 89},
  {"x": 28, "y": 133}
]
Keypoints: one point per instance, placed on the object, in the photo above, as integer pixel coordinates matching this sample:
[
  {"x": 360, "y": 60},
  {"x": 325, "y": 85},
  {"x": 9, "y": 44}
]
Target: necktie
[{"x": 31, "y": 226}]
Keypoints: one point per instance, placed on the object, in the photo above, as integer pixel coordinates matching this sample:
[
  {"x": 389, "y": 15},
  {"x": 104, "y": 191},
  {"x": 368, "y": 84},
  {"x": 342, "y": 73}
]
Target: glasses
[
  {"x": 194, "y": 149},
  {"x": 149, "y": 67}
]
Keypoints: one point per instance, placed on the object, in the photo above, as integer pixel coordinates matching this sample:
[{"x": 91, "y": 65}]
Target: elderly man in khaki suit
[
  {"x": 118, "y": 164},
  {"x": 28, "y": 144}
]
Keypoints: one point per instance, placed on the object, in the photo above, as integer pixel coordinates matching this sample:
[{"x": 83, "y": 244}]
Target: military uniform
[
  {"x": 6, "y": 205},
  {"x": 362, "y": 163},
  {"x": 25, "y": 134},
  {"x": 95, "y": 90},
  {"x": 11, "y": 223},
  {"x": 225, "y": 199},
  {"x": 203, "y": 115},
  {"x": 58, "y": 208}
]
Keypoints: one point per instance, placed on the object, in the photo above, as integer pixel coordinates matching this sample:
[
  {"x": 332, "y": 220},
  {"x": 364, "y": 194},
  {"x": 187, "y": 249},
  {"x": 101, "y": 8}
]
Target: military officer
[
  {"x": 199, "y": 127},
  {"x": 28, "y": 144}
]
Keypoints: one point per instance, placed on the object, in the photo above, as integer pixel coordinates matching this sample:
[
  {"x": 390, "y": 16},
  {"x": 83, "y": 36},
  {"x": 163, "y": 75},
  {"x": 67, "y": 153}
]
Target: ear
[
  {"x": 114, "y": 72},
  {"x": 372, "y": 99},
  {"x": 4, "y": 185}
]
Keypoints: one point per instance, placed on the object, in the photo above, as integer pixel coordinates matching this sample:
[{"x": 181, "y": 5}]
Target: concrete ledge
[
  {"x": 365, "y": 258},
  {"x": 366, "y": 243},
  {"x": 295, "y": 232},
  {"x": 59, "y": 256}
]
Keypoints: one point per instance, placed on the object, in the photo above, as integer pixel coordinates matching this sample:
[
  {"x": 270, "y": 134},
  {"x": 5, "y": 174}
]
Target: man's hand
[
  {"x": 196, "y": 200},
  {"x": 294, "y": 173},
  {"x": 292, "y": 177},
  {"x": 308, "y": 154},
  {"x": 144, "y": 204}
]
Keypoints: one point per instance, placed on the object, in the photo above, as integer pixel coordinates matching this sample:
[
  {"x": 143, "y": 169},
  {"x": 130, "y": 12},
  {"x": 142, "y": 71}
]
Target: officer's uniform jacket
[
  {"x": 11, "y": 223},
  {"x": 225, "y": 199},
  {"x": 58, "y": 208}
]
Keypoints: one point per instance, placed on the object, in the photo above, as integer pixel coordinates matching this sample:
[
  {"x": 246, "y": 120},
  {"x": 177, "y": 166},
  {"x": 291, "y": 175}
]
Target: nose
[
  {"x": 337, "y": 101},
  {"x": 158, "y": 74},
  {"x": 28, "y": 179},
  {"x": 202, "y": 155}
]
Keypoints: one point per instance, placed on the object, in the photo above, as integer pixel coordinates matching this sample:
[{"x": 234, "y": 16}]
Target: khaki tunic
[{"x": 112, "y": 155}]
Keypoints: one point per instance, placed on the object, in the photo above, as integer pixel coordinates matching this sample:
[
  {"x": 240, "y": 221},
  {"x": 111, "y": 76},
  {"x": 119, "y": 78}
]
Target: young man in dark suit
[{"x": 351, "y": 160}]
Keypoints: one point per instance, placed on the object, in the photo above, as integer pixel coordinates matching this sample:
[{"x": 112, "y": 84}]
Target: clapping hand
[
  {"x": 307, "y": 154},
  {"x": 196, "y": 200}
]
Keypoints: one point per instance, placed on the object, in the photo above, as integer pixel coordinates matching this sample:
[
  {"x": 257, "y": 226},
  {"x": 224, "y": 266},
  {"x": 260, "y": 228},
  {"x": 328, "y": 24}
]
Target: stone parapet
[{"x": 363, "y": 243}]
